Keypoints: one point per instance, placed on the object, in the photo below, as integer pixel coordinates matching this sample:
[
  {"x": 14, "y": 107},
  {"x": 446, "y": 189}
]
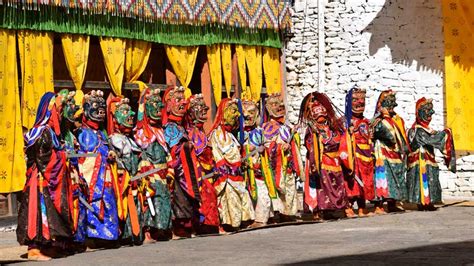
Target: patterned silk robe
[
  {"x": 234, "y": 202},
  {"x": 209, "y": 214},
  {"x": 128, "y": 197},
  {"x": 327, "y": 153},
  {"x": 155, "y": 186},
  {"x": 364, "y": 164},
  {"x": 79, "y": 189},
  {"x": 259, "y": 175},
  {"x": 185, "y": 195},
  {"x": 44, "y": 216},
  {"x": 103, "y": 220},
  {"x": 286, "y": 164},
  {"x": 423, "y": 171},
  {"x": 391, "y": 147}
]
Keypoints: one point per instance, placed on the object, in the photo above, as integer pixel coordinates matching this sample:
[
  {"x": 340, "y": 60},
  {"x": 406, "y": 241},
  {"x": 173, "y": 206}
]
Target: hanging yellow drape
[
  {"x": 183, "y": 59},
  {"x": 220, "y": 61},
  {"x": 113, "y": 50},
  {"x": 459, "y": 71},
  {"x": 253, "y": 57},
  {"x": 36, "y": 58},
  {"x": 242, "y": 66},
  {"x": 215, "y": 69},
  {"x": 137, "y": 54},
  {"x": 13, "y": 166},
  {"x": 250, "y": 57},
  {"x": 76, "y": 53},
  {"x": 226, "y": 57},
  {"x": 271, "y": 68}
]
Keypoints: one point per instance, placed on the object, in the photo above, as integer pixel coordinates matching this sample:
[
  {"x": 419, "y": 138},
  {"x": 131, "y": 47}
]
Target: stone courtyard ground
[{"x": 443, "y": 237}]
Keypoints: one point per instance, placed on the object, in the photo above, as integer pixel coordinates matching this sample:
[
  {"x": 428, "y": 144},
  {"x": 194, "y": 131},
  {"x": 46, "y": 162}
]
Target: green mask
[
  {"x": 124, "y": 115},
  {"x": 153, "y": 107}
]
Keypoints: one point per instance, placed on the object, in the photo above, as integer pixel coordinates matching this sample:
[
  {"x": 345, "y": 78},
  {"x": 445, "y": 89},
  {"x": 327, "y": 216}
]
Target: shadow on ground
[{"x": 459, "y": 253}]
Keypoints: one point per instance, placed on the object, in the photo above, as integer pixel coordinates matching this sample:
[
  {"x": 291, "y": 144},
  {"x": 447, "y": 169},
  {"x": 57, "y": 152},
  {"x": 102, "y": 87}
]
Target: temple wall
[{"x": 376, "y": 44}]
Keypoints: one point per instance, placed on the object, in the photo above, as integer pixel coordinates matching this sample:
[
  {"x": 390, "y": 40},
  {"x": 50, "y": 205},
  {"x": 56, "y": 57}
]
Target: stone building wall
[{"x": 376, "y": 44}]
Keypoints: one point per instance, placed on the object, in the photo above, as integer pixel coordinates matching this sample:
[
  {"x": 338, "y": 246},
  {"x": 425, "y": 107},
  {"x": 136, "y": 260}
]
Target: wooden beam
[{"x": 104, "y": 85}]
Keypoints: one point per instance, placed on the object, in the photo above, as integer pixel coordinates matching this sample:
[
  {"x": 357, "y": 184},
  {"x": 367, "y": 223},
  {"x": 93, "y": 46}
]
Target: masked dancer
[
  {"x": 282, "y": 144},
  {"x": 423, "y": 172},
  {"x": 328, "y": 156},
  {"x": 233, "y": 199},
  {"x": 359, "y": 185},
  {"x": 125, "y": 155},
  {"x": 196, "y": 116},
  {"x": 102, "y": 218},
  {"x": 391, "y": 150},
  {"x": 44, "y": 216},
  {"x": 185, "y": 188}
]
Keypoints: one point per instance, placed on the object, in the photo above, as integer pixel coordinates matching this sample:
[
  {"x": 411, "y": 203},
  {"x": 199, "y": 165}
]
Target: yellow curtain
[
  {"x": 226, "y": 57},
  {"x": 250, "y": 57},
  {"x": 13, "y": 167},
  {"x": 137, "y": 54},
  {"x": 253, "y": 57},
  {"x": 215, "y": 66},
  {"x": 113, "y": 50},
  {"x": 36, "y": 58},
  {"x": 459, "y": 71},
  {"x": 242, "y": 66},
  {"x": 271, "y": 67},
  {"x": 183, "y": 59},
  {"x": 76, "y": 53}
]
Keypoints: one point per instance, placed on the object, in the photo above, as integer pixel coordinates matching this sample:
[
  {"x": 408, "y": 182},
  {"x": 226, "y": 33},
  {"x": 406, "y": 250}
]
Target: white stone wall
[{"x": 376, "y": 44}]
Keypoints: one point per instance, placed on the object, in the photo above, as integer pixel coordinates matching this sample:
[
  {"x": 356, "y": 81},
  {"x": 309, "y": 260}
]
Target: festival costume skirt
[
  {"x": 234, "y": 202},
  {"x": 40, "y": 222},
  {"x": 263, "y": 206},
  {"x": 105, "y": 227}
]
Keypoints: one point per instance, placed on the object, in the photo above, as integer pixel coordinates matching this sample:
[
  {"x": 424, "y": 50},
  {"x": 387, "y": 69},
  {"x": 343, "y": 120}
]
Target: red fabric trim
[
  {"x": 225, "y": 162},
  {"x": 224, "y": 178},
  {"x": 391, "y": 154},
  {"x": 294, "y": 157},
  {"x": 33, "y": 203},
  {"x": 187, "y": 173},
  {"x": 98, "y": 162},
  {"x": 133, "y": 214},
  {"x": 54, "y": 121},
  {"x": 278, "y": 167},
  {"x": 174, "y": 118},
  {"x": 111, "y": 100},
  {"x": 312, "y": 202}
]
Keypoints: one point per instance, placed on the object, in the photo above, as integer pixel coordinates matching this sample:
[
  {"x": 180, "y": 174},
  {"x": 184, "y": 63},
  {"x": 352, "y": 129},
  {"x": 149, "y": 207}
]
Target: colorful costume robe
[
  {"x": 391, "y": 145},
  {"x": 286, "y": 164},
  {"x": 327, "y": 153},
  {"x": 103, "y": 221},
  {"x": 155, "y": 187},
  {"x": 423, "y": 172},
  {"x": 234, "y": 202},
  {"x": 128, "y": 197},
  {"x": 44, "y": 215},
  {"x": 79, "y": 189},
  {"x": 209, "y": 214},
  {"x": 364, "y": 163},
  {"x": 259, "y": 176},
  {"x": 185, "y": 194}
]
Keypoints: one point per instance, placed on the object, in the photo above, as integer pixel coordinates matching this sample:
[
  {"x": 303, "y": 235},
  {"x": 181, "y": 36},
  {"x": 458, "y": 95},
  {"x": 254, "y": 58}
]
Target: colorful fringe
[
  {"x": 268, "y": 176},
  {"x": 381, "y": 182},
  {"x": 250, "y": 175},
  {"x": 424, "y": 189},
  {"x": 173, "y": 22}
]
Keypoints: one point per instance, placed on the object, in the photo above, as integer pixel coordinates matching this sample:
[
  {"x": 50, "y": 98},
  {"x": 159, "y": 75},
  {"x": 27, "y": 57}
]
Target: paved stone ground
[{"x": 444, "y": 237}]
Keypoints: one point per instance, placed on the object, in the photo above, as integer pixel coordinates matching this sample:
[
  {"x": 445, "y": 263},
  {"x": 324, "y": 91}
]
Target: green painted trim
[{"x": 58, "y": 19}]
